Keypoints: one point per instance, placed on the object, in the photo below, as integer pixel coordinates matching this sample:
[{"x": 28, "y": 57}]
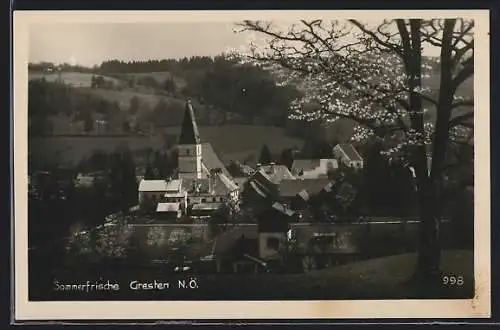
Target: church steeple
[
  {"x": 190, "y": 165},
  {"x": 189, "y": 130}
]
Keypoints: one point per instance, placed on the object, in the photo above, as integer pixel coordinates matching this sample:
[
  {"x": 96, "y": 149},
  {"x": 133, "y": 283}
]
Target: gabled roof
[
  {"x": 350, "y": 152},
  {"x": 168, "y": 207},
  {"x": 153, "y": 185},
  {"x": 173, "y": 185},
  {"x": 189, "y": 130},
  {"x": 276, "y": 173},
  {"x": 282, "y": 209},
  {"x": 290, "y": 188}
]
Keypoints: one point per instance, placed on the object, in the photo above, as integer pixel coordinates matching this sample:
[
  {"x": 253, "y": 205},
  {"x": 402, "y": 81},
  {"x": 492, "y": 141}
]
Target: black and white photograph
[{"x": 253, "y": 158}]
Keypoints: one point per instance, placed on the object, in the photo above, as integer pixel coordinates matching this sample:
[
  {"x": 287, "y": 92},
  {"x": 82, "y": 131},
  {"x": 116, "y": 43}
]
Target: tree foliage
[
  {"x": 265, "y": 155},
  {"x": 373, "y": 75}
]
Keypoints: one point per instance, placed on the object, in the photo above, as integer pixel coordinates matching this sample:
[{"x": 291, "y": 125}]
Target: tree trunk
[
  {"x": 429, "y": 253},
  {"x": 428, "y": 260},
  {"x": 429, "y": 249}
]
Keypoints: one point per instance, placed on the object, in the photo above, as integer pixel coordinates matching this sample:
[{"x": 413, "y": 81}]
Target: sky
[{"x": 90, "y": 44}]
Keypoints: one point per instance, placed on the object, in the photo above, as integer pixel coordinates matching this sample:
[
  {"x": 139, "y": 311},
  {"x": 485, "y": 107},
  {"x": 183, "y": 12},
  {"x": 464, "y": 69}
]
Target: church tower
[{"x": 189, "y": 146}]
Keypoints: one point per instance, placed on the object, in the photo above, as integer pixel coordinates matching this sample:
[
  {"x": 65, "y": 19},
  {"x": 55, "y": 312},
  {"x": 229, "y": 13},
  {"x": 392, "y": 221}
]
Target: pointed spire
[{"x": 189, "y": 130}]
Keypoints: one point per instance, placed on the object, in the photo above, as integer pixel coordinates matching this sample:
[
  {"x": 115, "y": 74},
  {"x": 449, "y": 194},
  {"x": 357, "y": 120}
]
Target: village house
[
  {"x": 252, "y": 249},
  {"x": 266, "y": 179},
  {"x": 348, "y": 155},
  {"x": 275, "y": 183},
  {"x": 296, "y": 194}
]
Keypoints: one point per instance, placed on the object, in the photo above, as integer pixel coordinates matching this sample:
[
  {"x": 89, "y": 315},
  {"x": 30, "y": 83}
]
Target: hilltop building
[{"x": 203, "y": 184}]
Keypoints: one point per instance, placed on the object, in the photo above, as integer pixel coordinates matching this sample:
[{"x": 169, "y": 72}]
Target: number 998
[{"x": 453, "y": 280}]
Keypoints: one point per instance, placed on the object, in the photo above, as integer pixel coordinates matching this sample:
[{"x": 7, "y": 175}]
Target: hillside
[
  {"x": 76, "y": 79},
  {"x": 246, "y": 147},
  {"x": 140, "y": 107}
]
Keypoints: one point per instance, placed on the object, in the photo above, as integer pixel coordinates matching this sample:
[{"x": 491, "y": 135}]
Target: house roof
[
  {"x": 350, "y": 152},
  {"x": 276, "y": 173},
  {"x": 173, "y": 185},
  {"x": 329, "y": 187},
  {"x": 153, "y": 185},
  {"x": 290, "y": 188},
  {"x": 305, "y": 164},
  {"x": 230, "y": 184},
  {"x": 168, "y": 207},
  {"x": 189, "y": 130},
  {"x": 262, "y": 193},
  {"x": 282, "y": 209}
]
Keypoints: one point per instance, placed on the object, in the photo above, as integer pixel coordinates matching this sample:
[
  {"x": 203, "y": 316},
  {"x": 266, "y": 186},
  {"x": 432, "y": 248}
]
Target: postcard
[{"x": 251, "y": 165}]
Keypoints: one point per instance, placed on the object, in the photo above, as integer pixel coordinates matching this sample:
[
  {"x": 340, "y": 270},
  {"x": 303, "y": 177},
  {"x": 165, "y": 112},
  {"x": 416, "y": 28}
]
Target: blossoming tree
[{"x": 375, "y": 76}]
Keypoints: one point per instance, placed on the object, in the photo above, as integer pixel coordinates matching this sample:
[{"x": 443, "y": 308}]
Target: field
[
  {"x": 232, "y": 142},
  {"x": 76, "y": 79},
  {"x": 123, "y": 97},
  {"x": 236, "y": 142}
]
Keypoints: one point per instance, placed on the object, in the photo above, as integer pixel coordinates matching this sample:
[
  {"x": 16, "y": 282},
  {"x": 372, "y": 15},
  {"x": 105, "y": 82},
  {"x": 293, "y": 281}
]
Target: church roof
[
  {"x": 211, "y": 160},
  {"x": 189, "y": 130}
]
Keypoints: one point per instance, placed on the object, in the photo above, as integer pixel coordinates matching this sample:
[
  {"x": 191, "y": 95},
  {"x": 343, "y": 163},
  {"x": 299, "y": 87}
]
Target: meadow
[
  {"x": 231, "y": 142},
  {"x": 75, "y": 79}
]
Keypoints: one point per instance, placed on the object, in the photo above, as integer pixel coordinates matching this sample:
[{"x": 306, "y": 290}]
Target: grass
[
  {"x": 123, "y": 97},
  {"x": 245, "y": 141},
  {"x": 382, "y": 278},
  {"x": 237, "y": 142},
  {"x": 76, "y": 79}
]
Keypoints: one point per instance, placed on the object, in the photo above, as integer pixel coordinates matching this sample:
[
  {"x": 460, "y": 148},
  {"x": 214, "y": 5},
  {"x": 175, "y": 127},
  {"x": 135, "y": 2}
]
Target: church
[{"x": 202, "y": 186}]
